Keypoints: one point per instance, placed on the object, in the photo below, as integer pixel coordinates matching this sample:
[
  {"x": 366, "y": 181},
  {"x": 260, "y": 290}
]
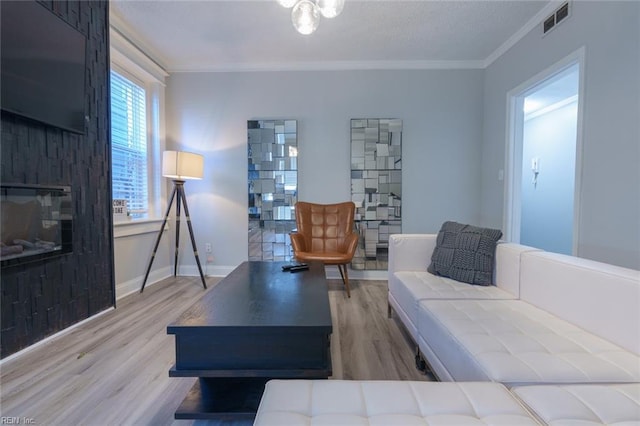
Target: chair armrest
[
  {"x": 297, "y": 242},
  {"x": 350, "y": 244}
]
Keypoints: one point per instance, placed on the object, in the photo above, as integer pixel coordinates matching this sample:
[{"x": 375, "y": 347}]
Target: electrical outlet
[{"x": 207, "y": 247}]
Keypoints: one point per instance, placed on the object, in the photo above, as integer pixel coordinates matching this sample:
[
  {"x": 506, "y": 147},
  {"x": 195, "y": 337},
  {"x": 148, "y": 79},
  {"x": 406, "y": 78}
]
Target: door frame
[{"x": 512, "y": 209}]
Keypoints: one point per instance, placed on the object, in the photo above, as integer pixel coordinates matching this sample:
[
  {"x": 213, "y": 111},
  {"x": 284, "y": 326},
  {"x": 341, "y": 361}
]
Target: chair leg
[{"x": 345, "y": 278}]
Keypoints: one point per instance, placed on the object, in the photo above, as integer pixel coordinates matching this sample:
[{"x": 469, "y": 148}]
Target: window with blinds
[{"x": 129, "y": 144}]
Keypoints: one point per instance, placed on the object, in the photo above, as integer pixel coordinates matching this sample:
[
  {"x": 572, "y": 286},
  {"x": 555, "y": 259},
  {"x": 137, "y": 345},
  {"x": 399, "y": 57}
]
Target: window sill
[{"x": 136, "y": 227}]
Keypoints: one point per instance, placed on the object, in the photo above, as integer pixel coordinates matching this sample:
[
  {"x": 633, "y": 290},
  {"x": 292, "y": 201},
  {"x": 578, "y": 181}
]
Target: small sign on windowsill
[{"x": 120, "y": 210}]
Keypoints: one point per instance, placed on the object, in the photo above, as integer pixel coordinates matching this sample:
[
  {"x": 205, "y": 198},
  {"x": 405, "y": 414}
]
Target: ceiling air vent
[
  {"x": 559, "y": 15},
  {"x": 549, "y": 23},
  {"x": 562, "y": 13}
]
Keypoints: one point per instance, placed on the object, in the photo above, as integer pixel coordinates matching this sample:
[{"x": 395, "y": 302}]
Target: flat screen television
[{"x": 42, "y": 61}]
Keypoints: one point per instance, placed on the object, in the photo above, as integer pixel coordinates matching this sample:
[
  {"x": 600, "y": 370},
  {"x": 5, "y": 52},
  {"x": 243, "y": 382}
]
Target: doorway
[{"x": 543, "y": 163}]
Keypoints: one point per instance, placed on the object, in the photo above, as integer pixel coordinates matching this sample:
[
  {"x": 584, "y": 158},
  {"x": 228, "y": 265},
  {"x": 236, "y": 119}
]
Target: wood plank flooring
[{"x": 114, "y": 370}]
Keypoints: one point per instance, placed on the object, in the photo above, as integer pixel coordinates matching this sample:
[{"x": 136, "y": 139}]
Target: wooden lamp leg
[
  {"x": 155, "y": 247},
  {"x": 193, "y": 240}
]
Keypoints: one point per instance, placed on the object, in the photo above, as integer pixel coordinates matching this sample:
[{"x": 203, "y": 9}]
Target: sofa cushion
[
  {"x": 507, "y": 267},
  {"x": 341, "y": 402},
  {"x": 465, "y": 253},
  {"x": 409, "y": 287},
  {"x": 583, "y": 404},
  {"x": 513, "y": 342},
  {"x": 424, "y": 285}
]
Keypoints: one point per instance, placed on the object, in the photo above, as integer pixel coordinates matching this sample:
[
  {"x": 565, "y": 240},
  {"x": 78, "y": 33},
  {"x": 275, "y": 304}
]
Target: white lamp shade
[{"x": 182, "y": 165}]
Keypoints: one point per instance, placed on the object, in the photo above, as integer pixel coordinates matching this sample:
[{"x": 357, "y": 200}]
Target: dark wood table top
[{"x": 259, "y": 294}]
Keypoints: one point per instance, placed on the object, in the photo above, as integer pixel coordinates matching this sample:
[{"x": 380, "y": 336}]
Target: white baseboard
[
  {"x": 216, "y": 270},
  {"x": 133, "y": 286}
]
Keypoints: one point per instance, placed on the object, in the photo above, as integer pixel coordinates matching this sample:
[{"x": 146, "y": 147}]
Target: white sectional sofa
[
  {"x": 550, "y": 318},
  {"x": 555, "y": 341}
]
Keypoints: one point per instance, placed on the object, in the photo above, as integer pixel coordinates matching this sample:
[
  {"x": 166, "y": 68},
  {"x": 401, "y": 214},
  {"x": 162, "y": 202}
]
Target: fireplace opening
[{"x": 36, "y": 223}]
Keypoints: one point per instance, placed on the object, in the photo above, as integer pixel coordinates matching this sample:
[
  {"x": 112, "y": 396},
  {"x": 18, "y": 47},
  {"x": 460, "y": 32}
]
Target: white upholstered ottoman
[
  {"x": 585, "y": 405},
  {"x": 401, "y": 403}
]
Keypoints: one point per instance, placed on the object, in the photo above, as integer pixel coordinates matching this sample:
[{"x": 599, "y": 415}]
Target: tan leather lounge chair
[{"x": 325, "y": 233}]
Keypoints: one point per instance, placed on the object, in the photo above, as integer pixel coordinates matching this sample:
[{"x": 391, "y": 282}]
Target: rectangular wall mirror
[
  {"x": 272, "y": 151},
  {"x": 376, "y": 188}
]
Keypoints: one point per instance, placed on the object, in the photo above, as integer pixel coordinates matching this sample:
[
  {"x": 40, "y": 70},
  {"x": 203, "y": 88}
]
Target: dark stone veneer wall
[{"x": 42, "y": 298}]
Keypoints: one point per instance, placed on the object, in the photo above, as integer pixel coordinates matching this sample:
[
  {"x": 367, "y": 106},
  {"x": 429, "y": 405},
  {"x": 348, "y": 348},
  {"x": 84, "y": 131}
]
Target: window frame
[{"x": 130, "y": 62}]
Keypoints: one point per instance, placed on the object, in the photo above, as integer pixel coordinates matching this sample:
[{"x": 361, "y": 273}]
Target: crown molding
[{"x": 333, "y": 66}]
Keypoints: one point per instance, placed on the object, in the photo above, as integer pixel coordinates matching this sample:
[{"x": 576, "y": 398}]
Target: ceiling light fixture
[{"x": 305, "y": 14}]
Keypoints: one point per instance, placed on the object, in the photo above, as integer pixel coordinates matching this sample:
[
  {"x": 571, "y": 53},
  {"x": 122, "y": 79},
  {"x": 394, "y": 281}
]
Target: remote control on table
[
  {"x": 293, "y": 265},
  {"x": 298, "y": 268}
]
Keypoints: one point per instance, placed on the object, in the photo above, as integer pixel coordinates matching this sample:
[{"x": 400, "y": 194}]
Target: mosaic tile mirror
[
  {"x": 272, "y": 151},
  {"x": 376, "y": 188}
]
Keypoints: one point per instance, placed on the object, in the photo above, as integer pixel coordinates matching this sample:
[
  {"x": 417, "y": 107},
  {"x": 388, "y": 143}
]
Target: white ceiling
[{"x": 235, "y": 35}]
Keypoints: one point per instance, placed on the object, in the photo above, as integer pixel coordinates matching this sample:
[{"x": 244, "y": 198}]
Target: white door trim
[{"x": 513, "y": 150}]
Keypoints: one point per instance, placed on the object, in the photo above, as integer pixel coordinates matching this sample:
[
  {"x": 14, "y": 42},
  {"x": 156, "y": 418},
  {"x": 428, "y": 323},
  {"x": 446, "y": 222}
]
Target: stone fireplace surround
[{"x": 39, "y": 299}]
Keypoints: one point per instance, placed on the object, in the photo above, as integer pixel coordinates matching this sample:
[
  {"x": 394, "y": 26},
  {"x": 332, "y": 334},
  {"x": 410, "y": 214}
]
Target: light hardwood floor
[{"x": 113, "y": 370}]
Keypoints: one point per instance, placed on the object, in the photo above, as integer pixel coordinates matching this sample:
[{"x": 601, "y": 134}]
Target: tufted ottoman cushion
[
  {"x": 406, "y": 403},
  {"x": 587, "y": 405},
  {"x": 515, "y": 343}
]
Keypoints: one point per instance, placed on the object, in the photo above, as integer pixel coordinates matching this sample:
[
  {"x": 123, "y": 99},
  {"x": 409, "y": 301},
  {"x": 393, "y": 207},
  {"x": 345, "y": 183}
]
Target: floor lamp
[{"x": 179, "y": 166}]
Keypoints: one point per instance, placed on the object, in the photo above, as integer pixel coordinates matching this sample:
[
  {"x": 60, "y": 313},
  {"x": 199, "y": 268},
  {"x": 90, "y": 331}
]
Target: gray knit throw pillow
[{"x": 465, "y": 253}]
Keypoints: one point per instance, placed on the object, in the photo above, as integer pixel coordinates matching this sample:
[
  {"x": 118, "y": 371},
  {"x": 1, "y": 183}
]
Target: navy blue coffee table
[{"x": 258, "y": 323}]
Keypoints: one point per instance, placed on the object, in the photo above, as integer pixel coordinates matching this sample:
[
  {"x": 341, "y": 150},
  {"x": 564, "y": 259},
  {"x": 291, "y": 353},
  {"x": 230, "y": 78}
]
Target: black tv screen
[{"x": 42, "y": 66}]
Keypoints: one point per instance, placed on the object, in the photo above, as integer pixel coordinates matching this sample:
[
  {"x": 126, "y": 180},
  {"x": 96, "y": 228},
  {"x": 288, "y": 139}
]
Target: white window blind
[{"x": 129, "y": 143}]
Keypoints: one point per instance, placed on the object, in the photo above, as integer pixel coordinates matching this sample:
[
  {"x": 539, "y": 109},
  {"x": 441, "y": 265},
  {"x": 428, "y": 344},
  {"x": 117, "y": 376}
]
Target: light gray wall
[
  {"x": 132, "y": 254},
  {"x": 609, "y": 228},
  {"x": 442, "y": 138}
]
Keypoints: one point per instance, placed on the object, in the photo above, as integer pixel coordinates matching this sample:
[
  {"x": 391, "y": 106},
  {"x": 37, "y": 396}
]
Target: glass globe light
[
  {"x": 305, "y": 16},
  {"x": 287, "y": 3},
  {"x": 330, "y": 8}
]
